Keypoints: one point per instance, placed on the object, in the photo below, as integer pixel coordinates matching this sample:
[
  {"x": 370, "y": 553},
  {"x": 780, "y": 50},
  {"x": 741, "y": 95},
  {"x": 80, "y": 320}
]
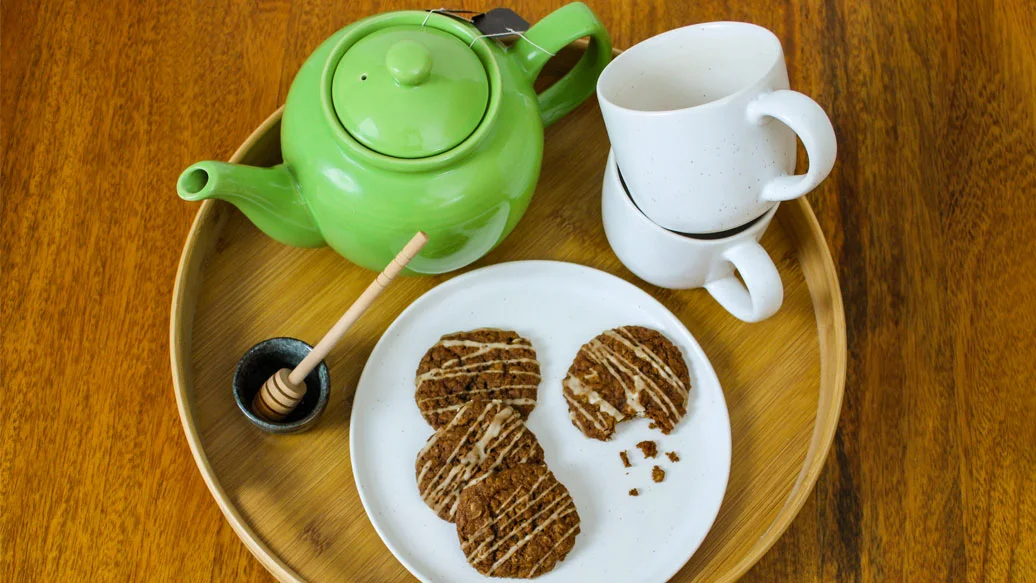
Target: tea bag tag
[{"x": 500, "y": 22}]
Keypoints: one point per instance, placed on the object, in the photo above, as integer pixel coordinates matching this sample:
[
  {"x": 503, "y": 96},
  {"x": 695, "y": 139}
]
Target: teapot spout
[{"x": 269, "y": 197}]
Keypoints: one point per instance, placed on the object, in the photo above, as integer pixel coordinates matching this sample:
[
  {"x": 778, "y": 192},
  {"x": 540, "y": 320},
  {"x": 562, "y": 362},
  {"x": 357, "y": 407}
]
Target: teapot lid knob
[{"x": 409, "y": 62}]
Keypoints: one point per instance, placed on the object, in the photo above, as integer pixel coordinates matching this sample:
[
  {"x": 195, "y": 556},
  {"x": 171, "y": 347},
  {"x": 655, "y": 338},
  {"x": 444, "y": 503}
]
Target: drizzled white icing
[
  {"x": 575, "y": 406},
  {"x": 475, "y": 392},
  {"x": 435, "y": 438},
  {"x": 507, "y": 528},
  {"x": 512, "y": 362},
  {"x": 635, "y": 385},
  {"x": 644, "y": 352},
  {"x": 571, "y": 532},
  {"x": 487, "y": 442},
  {"x": 478, "y": 452},
  {"x": 457, "y": 406},
  {"x": 486, "y": 346},
  {"x": 593, "y": 397},
  {"x": 633, "y": 399},
  {"x": 472, "y": 369}
]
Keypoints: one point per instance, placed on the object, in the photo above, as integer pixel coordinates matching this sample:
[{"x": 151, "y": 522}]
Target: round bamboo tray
[{"x": 292, "y": 499}]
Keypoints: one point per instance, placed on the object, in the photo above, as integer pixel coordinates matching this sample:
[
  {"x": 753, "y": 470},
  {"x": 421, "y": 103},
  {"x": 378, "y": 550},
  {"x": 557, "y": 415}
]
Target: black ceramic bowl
[{"x": 259, "y": 364}]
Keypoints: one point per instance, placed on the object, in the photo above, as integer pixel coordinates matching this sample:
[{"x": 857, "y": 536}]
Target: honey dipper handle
[{"x": 361, "y": 304}]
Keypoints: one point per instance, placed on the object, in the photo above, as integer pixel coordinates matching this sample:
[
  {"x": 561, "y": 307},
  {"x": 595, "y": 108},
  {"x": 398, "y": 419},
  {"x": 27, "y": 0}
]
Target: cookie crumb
[
  {"x": 625, "y": 459},
  {"x": 657, "y": 474},
  {"x": 672, "y": 456},
  {"x": 649, "y": 448},
  {"x": 634, "y": 492},
  {"x": 652, "y": 425}
]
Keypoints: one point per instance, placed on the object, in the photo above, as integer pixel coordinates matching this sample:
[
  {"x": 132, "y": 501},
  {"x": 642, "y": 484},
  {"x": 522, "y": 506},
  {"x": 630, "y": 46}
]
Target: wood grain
[{"x": 929, "y": 213}]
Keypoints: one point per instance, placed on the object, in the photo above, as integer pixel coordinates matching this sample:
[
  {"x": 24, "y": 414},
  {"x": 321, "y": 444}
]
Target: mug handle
[
  {"x": 807, "y": 119},
  {"x": 550, "y": 35},
  {"x": 762, "y": 293}
]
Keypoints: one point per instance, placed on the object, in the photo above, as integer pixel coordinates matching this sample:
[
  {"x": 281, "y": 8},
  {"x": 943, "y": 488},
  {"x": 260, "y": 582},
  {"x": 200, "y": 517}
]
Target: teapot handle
[{"x": 548, "y": 36}]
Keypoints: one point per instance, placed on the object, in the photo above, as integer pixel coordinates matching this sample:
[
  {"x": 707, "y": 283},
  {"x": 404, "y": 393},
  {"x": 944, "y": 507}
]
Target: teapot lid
[{"x": 410, "y": 91}]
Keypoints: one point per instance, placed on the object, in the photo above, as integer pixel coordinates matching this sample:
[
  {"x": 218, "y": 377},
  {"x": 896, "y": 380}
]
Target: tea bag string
[
  {"x": 510, "y": 32},
  {"x": 444, "y": 11}
]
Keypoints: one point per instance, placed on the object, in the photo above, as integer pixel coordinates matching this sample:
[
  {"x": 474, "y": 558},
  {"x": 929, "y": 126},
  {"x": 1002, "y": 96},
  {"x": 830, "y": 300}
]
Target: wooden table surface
[{"x": 930, "y": 214}]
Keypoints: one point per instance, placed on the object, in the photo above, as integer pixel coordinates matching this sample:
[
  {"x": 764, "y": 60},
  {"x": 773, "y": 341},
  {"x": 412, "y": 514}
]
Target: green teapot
[{"x": 410, "y": 121}]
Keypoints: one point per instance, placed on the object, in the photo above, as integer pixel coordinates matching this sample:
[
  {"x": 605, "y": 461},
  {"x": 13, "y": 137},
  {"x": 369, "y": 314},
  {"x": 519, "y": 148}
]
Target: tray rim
[{"x": 801, "y": 221}]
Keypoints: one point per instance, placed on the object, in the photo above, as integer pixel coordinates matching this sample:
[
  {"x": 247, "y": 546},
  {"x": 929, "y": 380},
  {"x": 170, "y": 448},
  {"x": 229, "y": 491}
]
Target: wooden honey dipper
[{"x": 283, "y": 391}]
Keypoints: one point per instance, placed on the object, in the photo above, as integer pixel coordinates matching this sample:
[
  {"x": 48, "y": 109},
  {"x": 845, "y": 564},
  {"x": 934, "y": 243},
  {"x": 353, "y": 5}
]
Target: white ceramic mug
[
  {"x": 703, "y": 126},
  {"x": 673, "y": 260}
]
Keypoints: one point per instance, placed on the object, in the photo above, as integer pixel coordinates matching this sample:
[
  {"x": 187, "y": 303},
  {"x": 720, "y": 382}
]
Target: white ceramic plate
[{"x": 558, "y": 306}]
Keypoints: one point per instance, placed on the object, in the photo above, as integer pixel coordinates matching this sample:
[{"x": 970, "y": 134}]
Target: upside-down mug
[{"x": 703, "y": 126}]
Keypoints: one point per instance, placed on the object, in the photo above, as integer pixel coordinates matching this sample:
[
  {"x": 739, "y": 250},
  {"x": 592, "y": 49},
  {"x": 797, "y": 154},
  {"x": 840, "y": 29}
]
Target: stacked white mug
[{"x": 702, "y": 126}]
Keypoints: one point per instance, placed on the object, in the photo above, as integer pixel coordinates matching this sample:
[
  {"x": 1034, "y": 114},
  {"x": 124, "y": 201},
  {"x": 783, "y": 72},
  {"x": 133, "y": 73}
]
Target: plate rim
[{"x": 445, "y": 288}]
